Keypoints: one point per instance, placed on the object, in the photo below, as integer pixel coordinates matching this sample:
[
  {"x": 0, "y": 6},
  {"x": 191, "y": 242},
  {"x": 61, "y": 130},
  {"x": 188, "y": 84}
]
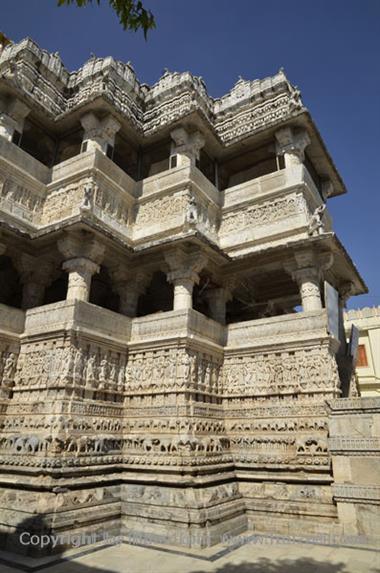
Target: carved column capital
[
  {"x": 81, "y": 244},
  {"x": 306, "y": 270},
  {"x": 83, "y": 254},
  {"x": 184, "y": 274},
  {"x": 186, "y": 146},
  {"x": 36, "y": 273},
  {"x": 99, "y": 133},
  {"x": 129, "y": 285},
  {"x": 80, "y": 272},
  {"x": 291, "y": 144},
  {"x": 12, "y": 117},
  {"x": 81, "y": 265},
  {"x": 185, "y": 264},
  {"x": 39, "y": 269}
]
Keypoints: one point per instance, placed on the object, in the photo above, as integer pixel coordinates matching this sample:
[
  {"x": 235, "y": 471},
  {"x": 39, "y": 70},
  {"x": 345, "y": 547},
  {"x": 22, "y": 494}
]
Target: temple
[{"x": 173, "y": 358}]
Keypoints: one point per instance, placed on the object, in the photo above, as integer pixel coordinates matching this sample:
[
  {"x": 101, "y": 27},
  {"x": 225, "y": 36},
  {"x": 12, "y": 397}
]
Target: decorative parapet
[
  {"x": 175, "y": 325},
  {"x": 354, "y": 446},
  {"x": 12, "y": 320},
  {"x": 357, "y": 493},
  {"x": 345, "y": 406},
  {"x": 301, "y": 328},
  {"x": 249, "y": 107},
  {"x": 78, "y": 315},
  {"x": 362, "y": 313}
]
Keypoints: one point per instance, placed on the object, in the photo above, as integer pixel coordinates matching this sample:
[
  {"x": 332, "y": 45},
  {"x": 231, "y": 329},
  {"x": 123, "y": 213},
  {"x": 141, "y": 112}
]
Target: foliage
[{"x": 131, "y": 13}]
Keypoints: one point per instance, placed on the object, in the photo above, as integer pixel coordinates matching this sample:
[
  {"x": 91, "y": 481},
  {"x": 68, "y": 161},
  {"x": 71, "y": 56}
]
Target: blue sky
[{"x": 329, "y": 48}]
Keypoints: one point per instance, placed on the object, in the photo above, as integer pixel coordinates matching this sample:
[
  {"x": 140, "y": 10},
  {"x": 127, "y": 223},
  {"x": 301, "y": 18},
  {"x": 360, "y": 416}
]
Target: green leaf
[{"x": 131, "y": 13}]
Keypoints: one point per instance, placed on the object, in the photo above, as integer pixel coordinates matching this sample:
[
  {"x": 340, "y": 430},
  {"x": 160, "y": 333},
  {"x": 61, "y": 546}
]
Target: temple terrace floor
[{"x": 254, "y": 556}]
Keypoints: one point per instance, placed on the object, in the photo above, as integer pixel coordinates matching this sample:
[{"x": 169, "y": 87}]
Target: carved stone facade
[{"x": 159, "y": 377}]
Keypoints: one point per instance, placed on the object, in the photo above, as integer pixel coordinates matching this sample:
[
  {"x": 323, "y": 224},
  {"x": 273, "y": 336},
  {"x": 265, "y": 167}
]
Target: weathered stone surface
[{"x": 159, "y": 381}]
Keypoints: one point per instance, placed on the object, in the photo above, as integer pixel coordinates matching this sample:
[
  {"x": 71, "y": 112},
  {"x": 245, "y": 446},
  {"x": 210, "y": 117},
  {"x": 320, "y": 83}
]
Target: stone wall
[
  {"x": 174, "y": 426},
  {"x": 354, "y": 443}
]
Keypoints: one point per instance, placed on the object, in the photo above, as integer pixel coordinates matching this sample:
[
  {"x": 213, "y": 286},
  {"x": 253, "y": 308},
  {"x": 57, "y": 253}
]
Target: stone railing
[
  {"x": 282, "y": 355},
  {"x": 354, "y": 445},
  {"x": 22, "y": 189},
  {"x": 23, "y": 161},
  {"x": 38, "y": 196},
  {"x": 78, "y": 315},
  {"x": 111, "y": 192},
  {"x": 175, "y": 200},
  {"x": 362, "y": 313},
  {"x": 265, "y": 211},
  {"x": 176, "y": 324},
  {"x": 12, "y": 320},
  {"x": 297, "y": 327},
  {"x": 269, "y": 209}
]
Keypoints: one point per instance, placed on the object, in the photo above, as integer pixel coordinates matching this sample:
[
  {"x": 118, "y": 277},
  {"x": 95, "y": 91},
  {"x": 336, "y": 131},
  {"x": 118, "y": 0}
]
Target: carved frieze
[
  {"x": 301, "y": 371},
  {"x": 264, "y": 213}
]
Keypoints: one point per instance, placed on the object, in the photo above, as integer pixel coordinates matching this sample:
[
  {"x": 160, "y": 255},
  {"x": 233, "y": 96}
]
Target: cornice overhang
[
  {"x": 41, "y": 78},
  {"x": 251, "y": 110}
]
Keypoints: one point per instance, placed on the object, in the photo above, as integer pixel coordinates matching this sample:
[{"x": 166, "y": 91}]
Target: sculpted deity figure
[
  {"x": 315, "y": 223},
  {"x": 91, "y": 370},
  {"x": 9, "y": 368},
  {"x": 88, "y": 197},
  {"x": 67, "y": 363},
  {"x": 79, "y": 365},
  {"x": 169, "y": 370},
  {"x": 112, "y": 373},
  {"x": 192, "y": 211},
  {"x": 121, "y": 376},
  {"x": 103, "y": 373}
]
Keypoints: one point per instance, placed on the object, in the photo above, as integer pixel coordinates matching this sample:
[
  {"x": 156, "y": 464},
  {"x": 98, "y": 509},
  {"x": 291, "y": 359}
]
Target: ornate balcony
[{"x": 267, "y": 211}]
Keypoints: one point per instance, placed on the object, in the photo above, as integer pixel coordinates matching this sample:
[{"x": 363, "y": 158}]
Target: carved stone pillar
[
  {"x": 80, "y": 272},
  {"x": 308, "y": 281},
  {"x": 99, "y": 134},
  {"x": 84, "y": 255},
  {"x": 307, "y": 269},
  {"x": 12, "y": 117},
  {"x": 217, "y": 300},
  {"x": 35, "y": 274},
  {"x": 129, "y": 285},
  {"x": 183, "y": 289},
  {"x": 291, "y": 144},
  {"x": 184, "y": 275},
  {"x": 185, "y": 146}
]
